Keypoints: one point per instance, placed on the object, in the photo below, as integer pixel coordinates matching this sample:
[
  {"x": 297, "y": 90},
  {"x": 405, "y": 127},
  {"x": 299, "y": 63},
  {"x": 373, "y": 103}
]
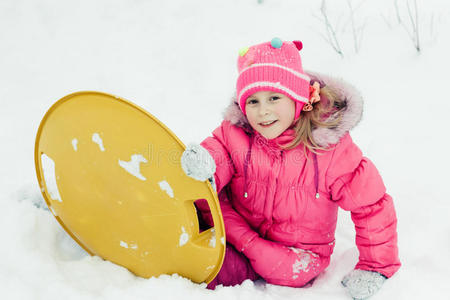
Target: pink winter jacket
[{"x": 288, "y": 198}]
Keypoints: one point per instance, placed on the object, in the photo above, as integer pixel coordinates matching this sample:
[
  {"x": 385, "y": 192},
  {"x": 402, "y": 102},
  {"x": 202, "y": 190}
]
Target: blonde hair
[{"x": 326, "y": 113}]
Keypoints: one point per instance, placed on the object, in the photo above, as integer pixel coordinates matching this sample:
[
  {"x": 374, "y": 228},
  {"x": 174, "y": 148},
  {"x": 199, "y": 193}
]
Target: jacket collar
[{"x": 352, "y": 113}]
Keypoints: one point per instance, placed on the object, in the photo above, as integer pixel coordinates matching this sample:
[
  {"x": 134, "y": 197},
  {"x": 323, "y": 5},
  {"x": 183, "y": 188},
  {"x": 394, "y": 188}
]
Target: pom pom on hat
[
  {"x": 298, "y": 44},
  {"x": 276, "y": 43},
  {"x": 243, "y": 51}
]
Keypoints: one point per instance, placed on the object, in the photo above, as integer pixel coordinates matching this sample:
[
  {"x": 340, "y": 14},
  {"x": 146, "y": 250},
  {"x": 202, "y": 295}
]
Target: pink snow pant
[{"x": 236, "y": 267}]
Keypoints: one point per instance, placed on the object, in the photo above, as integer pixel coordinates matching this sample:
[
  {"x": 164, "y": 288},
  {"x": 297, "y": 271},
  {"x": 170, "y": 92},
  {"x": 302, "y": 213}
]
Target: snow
[
  {"x": 184, "y": 237},
  {"x": 302, "y": 265},
  {"x": 133, "y": 166},
  {"x": 75, "y": 144},
  {"x": 165, "y": 186},
  {"x": 48, "y": 168},
  {"x": 98, "y": 140},
  {"x": 127, "y": 246},
  {"x": 177, "y": 59},
  {"x": 212, "y": 240}
]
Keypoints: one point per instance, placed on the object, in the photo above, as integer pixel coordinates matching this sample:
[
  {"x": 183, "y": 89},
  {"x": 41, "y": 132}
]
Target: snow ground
[{"x": 173, "y": 57}]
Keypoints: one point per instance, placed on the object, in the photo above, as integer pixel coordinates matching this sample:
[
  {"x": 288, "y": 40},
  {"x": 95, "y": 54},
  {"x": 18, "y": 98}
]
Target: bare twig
[
  {"x": 331, "y": 37},
  {"x": 339, "y": 20},
  {"x": 397, "y": 11},
  {"x": 407, "y": 31},
  {"x": 417, "y": 26},
  {"x": 356, "y": 32},
  {"x": 360, "y": 32},
  {"x": 433, "y": 30},
  {"x": 354, "y": 11},
  {"x": 414, "y": 21},
  {"x": 386, "y": 21},
  {"x": 326, "y": 39},
  {"x": 352, "y": 18},
  {"x": 414, "y": 24}
]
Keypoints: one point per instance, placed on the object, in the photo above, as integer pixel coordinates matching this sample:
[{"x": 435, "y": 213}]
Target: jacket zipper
[{"x": 316, "y": 175}]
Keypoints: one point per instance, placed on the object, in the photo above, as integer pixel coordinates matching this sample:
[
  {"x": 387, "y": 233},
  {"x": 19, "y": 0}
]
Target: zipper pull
[
  {"x": 245, "y": 195},
  {"x": 317, "y": 196}
]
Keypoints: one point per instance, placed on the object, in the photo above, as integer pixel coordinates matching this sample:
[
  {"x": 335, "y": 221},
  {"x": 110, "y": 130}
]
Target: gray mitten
[
  {"x": 362, "y": 284},
  {"x": 198, "y": 163}
]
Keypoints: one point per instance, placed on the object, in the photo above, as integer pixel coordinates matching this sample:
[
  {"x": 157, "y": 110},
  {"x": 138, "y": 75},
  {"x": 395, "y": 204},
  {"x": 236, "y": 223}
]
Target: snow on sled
[{"x": 110, "y": 173}]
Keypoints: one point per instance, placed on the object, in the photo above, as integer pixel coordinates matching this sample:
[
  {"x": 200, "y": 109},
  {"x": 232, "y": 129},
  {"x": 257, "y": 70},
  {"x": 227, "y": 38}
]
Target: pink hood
[
  {"x": 291, "y": 199},
  {"x": 323, "y": 136}
]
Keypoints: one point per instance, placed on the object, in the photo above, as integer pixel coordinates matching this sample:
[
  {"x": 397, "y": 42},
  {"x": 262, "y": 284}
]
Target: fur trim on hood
[{"x": 352, "y": 111}]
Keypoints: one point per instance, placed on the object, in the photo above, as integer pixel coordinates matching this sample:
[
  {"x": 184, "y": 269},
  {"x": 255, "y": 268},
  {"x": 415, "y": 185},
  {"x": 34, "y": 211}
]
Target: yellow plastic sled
[{"x": 110, "y": 173}]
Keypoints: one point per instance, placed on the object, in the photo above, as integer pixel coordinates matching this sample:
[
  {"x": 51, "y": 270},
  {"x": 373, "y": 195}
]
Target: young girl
[{"x": 283, "y": 162}]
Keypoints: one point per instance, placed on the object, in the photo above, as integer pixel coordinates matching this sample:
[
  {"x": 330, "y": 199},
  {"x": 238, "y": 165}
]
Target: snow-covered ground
[{"x": 173, "y": 57}]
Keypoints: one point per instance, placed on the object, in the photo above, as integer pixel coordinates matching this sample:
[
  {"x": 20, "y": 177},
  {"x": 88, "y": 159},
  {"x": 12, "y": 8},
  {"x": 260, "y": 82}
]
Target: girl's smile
[
  {"x": 266, "y": 124},
  {"x": 270, "y": 113}
]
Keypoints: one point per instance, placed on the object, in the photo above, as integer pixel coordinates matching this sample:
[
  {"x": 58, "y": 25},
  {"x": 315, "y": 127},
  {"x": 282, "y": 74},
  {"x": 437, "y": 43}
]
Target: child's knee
[
  {"x": 235, "y": 269},
  {"x": 299, "y": 274}
]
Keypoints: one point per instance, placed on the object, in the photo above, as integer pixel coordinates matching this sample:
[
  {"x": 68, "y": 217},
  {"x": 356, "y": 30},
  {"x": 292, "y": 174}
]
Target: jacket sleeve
[
  {"x": 355, "y": 184},
  {"x": 217, "y": 146},
  {"x": 238, "y": 231}
]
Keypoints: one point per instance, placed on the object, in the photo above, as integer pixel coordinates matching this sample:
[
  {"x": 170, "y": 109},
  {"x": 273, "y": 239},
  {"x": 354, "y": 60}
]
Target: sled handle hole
[{"x": 205, "y": 220}]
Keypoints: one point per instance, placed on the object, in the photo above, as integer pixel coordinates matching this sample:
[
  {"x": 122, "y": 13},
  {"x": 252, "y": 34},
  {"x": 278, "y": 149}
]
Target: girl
[{"x": 283, "y": 162}]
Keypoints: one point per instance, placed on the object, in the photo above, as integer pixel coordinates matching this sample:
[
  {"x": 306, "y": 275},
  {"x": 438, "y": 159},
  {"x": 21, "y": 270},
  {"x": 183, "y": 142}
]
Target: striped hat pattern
[{"x": 274, "y": 66}]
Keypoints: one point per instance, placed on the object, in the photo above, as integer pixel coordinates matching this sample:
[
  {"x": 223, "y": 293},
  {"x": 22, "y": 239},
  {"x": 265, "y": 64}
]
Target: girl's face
[{"x": 270, "y": 113}]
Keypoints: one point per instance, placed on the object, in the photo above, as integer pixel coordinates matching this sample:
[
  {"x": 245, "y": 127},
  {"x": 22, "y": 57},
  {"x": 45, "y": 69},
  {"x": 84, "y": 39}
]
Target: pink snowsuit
[{"x": 280, "y": 206}]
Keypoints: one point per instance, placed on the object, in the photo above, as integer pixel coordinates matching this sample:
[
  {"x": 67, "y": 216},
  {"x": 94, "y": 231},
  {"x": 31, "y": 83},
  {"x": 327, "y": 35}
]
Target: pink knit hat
[{"x": 274, "y": 66}]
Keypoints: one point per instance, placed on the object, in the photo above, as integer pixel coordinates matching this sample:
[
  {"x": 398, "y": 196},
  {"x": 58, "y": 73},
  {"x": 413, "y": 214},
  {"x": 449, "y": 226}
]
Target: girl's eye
[
  {"x": 252, "y": 101},
  {"x": 274, "y": 98}
]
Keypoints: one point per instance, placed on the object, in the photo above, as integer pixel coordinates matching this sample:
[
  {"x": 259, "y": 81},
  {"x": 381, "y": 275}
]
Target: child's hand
[
  {"x": 198, "y": 163},
  {"x": 362, "y": 284}
]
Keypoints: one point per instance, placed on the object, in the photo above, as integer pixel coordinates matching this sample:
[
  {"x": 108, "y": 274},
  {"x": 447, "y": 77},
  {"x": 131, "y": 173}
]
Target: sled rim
[{"x": 218, "y": 222}]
